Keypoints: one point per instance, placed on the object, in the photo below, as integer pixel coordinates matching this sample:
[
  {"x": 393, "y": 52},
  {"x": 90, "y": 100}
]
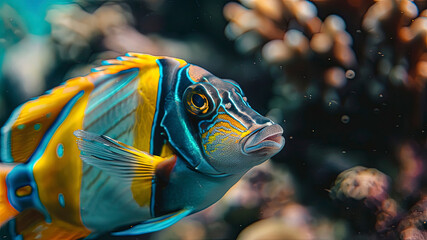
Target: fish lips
[{"x": 264, "y": 141}]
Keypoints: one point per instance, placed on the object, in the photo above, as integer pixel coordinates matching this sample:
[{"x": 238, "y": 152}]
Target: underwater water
[{"x": 346, "y": 80}]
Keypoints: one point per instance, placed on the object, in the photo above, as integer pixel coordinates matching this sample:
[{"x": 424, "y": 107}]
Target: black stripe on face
[{"x": 169, "y": 69}]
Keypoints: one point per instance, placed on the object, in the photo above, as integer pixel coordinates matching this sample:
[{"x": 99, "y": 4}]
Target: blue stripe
[
  {"x": 234, "y": 118},
  {"x": 212, "y": 123},
  {"x": 238, "y": 110},
  {"x": 159, "y": 91},
  {"x": 237, "y": 86},
  {"x": 155, "y": 224},
  {"x": 219, "y": 95},
  {"x": 60, "y": 119},
  {"x": 221, "y": 120},
  {"x": 178, "y": 99},
  {"x": 208, "y": 122},
  {"x": 188, "y": 75},
  {"x": 45, "y": 141},
  {"x": 38, "y": 153},
  {"x": 153, "y": 196},
  {"x": 109, "y": 124},
  {"x": 216, "y": 108},
  {"x": 217, "y": 130},
  {"x": 241, "y": 98},
  {"x": 110, "y": 94},
  {"x": 12, "y": 229},
  {"x": 241, "y": 94}
]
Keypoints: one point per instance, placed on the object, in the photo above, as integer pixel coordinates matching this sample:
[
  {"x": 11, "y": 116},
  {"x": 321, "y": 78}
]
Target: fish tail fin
[{"x": 7, "y": 211}]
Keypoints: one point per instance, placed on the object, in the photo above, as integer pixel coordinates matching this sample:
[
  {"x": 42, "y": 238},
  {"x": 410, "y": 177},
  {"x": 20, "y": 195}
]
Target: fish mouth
[{"x": 264, "y": 141}]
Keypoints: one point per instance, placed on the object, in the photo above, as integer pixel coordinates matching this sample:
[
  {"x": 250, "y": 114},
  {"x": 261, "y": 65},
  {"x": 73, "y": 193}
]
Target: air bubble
[
  {"x": 345, "y": 119},
  {"x": 350, "y": 74}
]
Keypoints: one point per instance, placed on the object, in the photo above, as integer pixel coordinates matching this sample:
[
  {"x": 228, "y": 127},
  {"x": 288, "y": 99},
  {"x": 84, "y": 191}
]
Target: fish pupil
[{"x": 198, "y": 100}]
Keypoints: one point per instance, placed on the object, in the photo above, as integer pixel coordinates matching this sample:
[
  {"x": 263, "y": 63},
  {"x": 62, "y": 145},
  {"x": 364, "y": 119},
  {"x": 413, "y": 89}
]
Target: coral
[
  {"x": 361, "y": 183},
  {"x": 412, "y": 226},
  {"x": 275, "y": 229},
  {"x": 74, "y": 29},
  {"x": 412, "y": 166},
  {"x": 390, "y": 45},
  {"x": 349, "y": 88},
  {"x": 371, "y": 186},
  {"x": 399, "y": 33},
  {"x": 345, "y": 78},
  {"x": 293, "y": 37}
]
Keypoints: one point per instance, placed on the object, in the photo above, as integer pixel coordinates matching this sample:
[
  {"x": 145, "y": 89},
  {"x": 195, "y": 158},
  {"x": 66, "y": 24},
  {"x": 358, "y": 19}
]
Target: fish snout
[
  {"x": 265, "y": 140},
  {"x": 261, "y": 120}
]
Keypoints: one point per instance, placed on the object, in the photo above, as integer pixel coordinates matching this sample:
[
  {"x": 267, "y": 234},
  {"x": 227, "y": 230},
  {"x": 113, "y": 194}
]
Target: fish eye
[{"x": 198, "y": 101}]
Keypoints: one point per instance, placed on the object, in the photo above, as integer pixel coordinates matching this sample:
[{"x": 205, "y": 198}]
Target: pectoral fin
[
  {"x": 155, "y": 224},
  {"x": 116, "y": 158}
]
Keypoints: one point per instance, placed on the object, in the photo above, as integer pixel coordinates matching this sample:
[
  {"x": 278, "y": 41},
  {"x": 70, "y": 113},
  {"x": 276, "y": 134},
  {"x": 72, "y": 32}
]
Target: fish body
[{"x": 141, "y": 141}]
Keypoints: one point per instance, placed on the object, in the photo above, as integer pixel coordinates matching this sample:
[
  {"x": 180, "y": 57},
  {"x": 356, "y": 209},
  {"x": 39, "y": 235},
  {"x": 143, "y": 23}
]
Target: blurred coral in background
[
  {"x": 345, "y": 78},
  {"x": 349, "y": 87}
]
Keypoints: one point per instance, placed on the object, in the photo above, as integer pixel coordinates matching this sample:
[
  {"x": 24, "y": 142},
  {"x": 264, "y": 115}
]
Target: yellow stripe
[
  {"x": 35, "y": 118},
  {"x": 220, "y": 127},
  {"x": 148, "y": 87},
  {"x": 59, "y": 173},
  {"x": 31, "y": 225},
  {"x": 6, "y": 210}
]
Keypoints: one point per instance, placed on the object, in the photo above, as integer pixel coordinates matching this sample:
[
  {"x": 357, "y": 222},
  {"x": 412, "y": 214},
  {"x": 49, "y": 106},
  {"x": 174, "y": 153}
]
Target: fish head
[{"x": 233, "y": 136}]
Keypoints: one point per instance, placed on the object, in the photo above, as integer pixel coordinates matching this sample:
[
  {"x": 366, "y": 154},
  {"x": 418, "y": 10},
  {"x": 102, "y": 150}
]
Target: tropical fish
[{"x": 136, "y": 145}]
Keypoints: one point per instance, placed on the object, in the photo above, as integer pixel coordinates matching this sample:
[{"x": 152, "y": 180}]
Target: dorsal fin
[
  {"x": 27, "y": 125},
  {"x": 130, "y": 61}
]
